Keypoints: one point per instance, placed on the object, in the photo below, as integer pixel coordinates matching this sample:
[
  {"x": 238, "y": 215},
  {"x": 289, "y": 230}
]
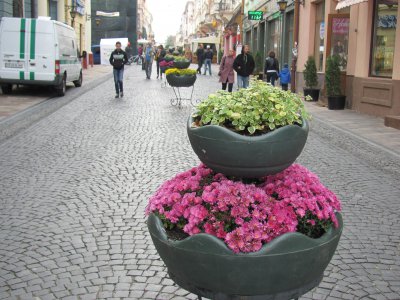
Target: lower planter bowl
[
  {"x": 181, "y": 64},
  {"x": 181, "y": 81},
  {"x": 285, "y": 268},
  {"x": 230, "y": 153}
]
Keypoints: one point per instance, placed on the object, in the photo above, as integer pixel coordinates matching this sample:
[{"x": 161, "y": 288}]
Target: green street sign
[{"x": 256, "y": 15}]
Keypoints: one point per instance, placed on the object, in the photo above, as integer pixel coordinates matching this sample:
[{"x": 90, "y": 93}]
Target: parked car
[
  {"x": 96, "y": 54},
  {"x": 38, "y": 52}
]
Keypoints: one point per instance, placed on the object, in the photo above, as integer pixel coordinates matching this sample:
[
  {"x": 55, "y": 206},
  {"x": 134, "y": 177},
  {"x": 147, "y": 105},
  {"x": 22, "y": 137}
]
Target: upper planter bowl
[
  {"x": 181, "y": 64},
  {"x": 230, "y": 153}
]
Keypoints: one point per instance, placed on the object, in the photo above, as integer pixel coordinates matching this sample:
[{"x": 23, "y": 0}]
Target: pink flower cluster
[{"x": 245, "y": 216}]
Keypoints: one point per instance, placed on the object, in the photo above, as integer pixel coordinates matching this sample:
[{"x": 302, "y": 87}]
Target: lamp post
[
  {"x": 282, "y": 7},
  {"x": 72, "y": 13}
]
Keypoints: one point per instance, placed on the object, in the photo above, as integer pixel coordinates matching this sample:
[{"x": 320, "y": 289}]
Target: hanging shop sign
[{"x": 255, "y": 15}]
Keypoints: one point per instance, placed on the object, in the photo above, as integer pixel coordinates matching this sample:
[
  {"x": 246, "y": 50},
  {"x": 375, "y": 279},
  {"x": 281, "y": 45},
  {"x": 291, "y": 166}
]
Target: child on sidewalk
[{"x": 284, "y": 77}]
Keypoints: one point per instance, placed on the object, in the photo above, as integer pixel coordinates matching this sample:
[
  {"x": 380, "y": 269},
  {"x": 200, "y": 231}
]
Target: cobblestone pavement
[{"x": 74, "y": 186}]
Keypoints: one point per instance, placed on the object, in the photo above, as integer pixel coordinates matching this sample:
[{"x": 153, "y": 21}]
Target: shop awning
[{"x": 345, "y": 3}]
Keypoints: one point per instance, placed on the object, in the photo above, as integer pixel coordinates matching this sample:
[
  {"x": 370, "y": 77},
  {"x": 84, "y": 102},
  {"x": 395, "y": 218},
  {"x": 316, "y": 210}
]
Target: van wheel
[
  {"x": 78, "y": 83},
  {"x": 62, "y": 87},
  {"x": 6, "y": 88}
]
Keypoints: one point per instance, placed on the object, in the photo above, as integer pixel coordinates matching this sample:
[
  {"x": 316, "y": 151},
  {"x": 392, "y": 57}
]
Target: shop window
[
  {"x": 338, "y": 37},
  {"x": 383, "y": 38},
  {"x": 274, "y": 37},
  {"x": 319, "y": 35}
]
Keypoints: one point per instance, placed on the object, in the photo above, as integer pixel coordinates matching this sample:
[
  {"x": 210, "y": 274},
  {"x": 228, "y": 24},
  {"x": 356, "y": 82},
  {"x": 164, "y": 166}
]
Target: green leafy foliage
[
  {"x": 332, "y": 76},
  {"x": 310, "y": 73},
  {"x": 253, "y": 111},
  {"x": 180, "y": 72}
]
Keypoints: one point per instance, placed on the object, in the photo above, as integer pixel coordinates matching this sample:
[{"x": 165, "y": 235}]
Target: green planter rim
[{"x": 276, "y": 247}]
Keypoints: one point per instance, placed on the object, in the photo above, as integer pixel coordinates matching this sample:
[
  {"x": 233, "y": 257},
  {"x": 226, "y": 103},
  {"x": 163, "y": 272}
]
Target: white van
[{"x": 38, "y": 52}]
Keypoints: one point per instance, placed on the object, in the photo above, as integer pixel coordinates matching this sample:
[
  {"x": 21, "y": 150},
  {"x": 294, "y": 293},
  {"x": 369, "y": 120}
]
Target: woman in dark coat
[{"x": 226, "y": 74}]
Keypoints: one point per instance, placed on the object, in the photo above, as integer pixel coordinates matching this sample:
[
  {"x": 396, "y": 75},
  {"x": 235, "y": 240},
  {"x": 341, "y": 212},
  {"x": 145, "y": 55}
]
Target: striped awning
[{"x": 345, "y": 3}]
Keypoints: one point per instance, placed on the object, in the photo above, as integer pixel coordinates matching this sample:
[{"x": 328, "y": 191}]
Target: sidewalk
[
  {"x": 365, "y": 127},
  {"x": 27, "y": 96}
]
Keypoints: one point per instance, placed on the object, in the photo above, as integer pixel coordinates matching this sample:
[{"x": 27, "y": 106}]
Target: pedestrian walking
[
  {"x": 118, "y": 59},
  {"x": 208, "y": 56},
  {"x": 244, "y": 67},
  {"x": 284, "y": 77},
  {"x": 149, "y": 56},
  {"x": 271, "y": 68},
  {"x": 226, "y": 74},
  {"x": 140, "y": 56},
  {"x": 129, "y": 52},
  {"x": 160, "y": 57},
  {"x": 200, "y": 57}
]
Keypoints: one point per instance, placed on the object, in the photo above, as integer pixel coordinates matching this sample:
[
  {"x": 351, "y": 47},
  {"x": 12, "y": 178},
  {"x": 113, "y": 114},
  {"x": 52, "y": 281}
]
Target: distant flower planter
[
  {"x": 285, "y": 268},
  {"x": 230, "y": 153},
  {"x": 181, "y": 80},
  {"x": 181, "y": 64}
]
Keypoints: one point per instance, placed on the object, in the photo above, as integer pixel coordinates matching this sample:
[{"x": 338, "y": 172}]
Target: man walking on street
[
  {"x": 118, "y": 59},
  {"x": 200, "y": 57},
  {"x": 244, "y": 66},
  {"x": 208, "y": 55},
  {"x": 149, "y": 55}
]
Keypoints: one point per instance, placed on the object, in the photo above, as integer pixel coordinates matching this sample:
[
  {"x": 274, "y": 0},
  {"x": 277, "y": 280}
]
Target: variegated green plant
[
  {"x": 181, "y": 58},
  {"x": 256, "y": 110}
]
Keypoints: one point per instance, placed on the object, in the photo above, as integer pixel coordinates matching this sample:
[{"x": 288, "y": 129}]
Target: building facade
[
  {"x": 144, "y": 21},
  {"x": 365, "y": 36},
  {"x": 18, "y": 8},
  {"x": 114, "y": 19}
]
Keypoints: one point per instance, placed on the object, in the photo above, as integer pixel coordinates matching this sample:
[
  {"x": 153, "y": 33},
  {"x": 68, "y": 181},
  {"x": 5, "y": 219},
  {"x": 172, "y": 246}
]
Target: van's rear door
[
  {"x": 13, "y": 47},
  {"x": 42, "y": 51},
  {"x": 27, "y": 49}
]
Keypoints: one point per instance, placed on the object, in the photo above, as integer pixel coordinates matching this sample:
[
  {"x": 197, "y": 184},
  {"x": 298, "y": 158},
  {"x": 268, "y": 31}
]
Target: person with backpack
[
  {"x": 284, "y": 77},
  {"x": 271, "y": 68},
  {"x": 118, "y": 59},
  {"x": 244, "y": 67}
]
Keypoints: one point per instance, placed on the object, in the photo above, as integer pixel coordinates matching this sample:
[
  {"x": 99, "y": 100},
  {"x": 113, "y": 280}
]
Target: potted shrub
[
  {"x": 180, "y": 62},
  {"x": 336, "y": 100},
  {"x": 180, "y": 77},
  {"x": 251, "y": 132},
  {"x": 225, "y": 239},
  {"x": 258, "y": 70},
  {"x": 311, "y": 79}
]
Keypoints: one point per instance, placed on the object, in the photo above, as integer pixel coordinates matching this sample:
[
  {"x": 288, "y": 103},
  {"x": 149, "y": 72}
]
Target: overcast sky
[{"x": 167, "y": 16}]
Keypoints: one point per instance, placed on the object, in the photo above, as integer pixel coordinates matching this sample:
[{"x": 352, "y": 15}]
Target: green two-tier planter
[
  {"x": 230, "y": 153},
  {"x": 285, "y": 268}
]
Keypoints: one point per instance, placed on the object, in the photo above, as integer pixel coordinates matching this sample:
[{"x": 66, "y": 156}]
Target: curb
[{"x": 25, "y": 118}]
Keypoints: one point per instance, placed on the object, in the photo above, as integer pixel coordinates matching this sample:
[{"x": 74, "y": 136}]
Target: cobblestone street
[{"x": 74, "y": 186}]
